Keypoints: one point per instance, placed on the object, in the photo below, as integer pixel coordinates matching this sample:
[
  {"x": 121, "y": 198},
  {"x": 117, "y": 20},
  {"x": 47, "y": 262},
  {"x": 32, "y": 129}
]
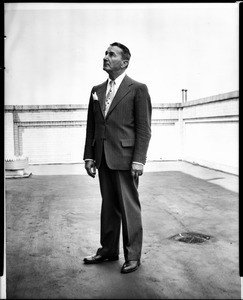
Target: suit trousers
[{"x": 120, "y": 205}]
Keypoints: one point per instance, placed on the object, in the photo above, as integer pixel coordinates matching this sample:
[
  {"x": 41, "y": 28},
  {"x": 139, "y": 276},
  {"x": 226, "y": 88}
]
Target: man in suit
[{"x": 117, "y": 139}]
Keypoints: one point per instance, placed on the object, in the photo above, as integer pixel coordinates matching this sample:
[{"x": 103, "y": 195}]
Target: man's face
[{"x": 113, "y": 61}]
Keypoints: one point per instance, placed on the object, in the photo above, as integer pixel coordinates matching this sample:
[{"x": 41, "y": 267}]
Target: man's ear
[{"x": 125, "y": 63}]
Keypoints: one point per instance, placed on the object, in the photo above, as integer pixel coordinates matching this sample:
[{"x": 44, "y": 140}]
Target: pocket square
[{"x": 95, "y": 97}]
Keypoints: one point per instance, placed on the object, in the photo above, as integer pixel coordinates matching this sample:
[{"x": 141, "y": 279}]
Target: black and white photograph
[{"x": 121, "y": 151}]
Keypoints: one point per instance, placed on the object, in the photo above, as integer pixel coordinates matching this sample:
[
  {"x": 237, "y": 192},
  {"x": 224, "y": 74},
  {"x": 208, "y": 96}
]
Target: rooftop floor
[{"x": 53, "y": 222}]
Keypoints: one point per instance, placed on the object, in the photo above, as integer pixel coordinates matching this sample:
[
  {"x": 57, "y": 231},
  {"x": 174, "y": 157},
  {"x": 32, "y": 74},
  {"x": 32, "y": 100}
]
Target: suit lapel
[
  {"x": 122, "y": 91},
  {"x": 101, "y": 91}
]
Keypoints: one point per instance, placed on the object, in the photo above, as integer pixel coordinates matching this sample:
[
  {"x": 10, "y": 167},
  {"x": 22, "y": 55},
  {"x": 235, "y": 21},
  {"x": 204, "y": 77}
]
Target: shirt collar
[{"x": 118, "y": 80}]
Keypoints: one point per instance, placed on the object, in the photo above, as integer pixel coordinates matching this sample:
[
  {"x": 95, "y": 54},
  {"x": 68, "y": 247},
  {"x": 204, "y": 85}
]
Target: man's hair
[{"x": 125, "y": 51}]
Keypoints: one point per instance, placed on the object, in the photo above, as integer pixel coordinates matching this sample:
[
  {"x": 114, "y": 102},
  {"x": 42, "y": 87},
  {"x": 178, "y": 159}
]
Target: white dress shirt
[{"x": 117, "y": 81}]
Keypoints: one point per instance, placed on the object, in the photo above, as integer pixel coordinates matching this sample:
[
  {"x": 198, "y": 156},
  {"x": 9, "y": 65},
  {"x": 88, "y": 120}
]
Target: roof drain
[{"x": 191, "y": 237}]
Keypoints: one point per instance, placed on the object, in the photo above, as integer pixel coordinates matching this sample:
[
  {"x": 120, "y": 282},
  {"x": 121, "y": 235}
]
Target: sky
[{"x": 54, "y": 51}]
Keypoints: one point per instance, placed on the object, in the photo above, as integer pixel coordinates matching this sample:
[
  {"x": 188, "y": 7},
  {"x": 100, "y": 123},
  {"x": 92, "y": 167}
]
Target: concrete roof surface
[{"x": 53, "y": 223}]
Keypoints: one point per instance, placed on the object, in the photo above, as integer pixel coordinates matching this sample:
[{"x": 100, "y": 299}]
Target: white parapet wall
[
  {"x": 203, "y": 131},
  {"x": 211, "y": 132}
]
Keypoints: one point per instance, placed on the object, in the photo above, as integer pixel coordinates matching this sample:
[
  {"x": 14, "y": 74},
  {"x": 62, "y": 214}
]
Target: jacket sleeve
[
  {"x": 90, "y": 127},
  {"x": 143, "y": 113}
]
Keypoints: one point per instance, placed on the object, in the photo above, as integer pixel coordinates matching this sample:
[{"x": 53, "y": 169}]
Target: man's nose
[{"x": 106, "y": 57}]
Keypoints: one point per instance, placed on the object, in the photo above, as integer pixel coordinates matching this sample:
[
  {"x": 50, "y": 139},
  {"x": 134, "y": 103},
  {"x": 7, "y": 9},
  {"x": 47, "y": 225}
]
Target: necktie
[{"x": 109, "y": 96}]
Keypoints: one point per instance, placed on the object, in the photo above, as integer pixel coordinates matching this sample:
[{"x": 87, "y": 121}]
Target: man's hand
[
  {"x": 137, "y": 170},
  {"x": 90, "y": 168}
]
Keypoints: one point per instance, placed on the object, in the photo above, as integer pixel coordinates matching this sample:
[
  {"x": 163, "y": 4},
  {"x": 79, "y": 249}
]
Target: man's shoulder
[
  {"x": 135, "y": 82},
  {"x": 100, "y": 85}
]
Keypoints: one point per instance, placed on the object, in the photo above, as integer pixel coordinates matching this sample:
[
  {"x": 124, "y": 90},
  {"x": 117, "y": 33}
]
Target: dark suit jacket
[{"x": 125, "y": 132}]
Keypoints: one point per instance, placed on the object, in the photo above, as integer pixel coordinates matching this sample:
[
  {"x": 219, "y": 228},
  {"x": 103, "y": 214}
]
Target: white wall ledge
[{"x": 215, "y": 98}]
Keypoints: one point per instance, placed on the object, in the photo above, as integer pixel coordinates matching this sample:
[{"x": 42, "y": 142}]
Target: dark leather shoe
[
  {"x": 96, "y": 259},
  {"x": 130, "y": 266}
]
